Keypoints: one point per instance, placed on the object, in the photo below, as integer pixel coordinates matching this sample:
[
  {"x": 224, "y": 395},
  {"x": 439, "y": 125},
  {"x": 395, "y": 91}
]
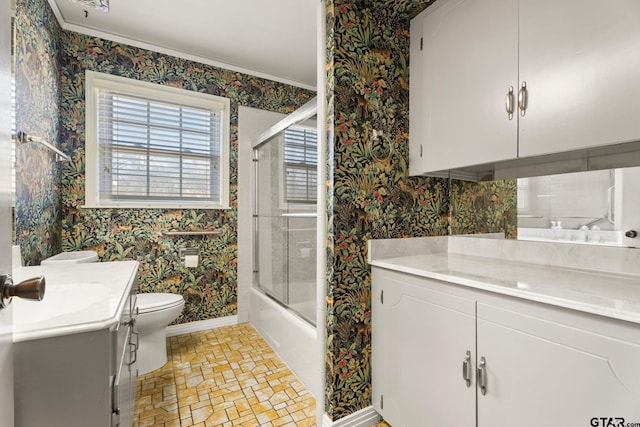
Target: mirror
[{"x": 594, "y": 207}]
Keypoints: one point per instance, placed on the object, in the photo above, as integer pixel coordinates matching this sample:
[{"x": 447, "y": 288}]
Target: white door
[
  {"x": 543, "y": 373},
  {"x": 470, "y": 60},
  {"x": 581, "y": 66},
  {"x": 6, "y": 354},
  {"x": 423, "y": 344}
]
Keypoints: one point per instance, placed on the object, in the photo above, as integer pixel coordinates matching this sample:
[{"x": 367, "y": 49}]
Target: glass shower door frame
[{"x": 280, "y": 213}]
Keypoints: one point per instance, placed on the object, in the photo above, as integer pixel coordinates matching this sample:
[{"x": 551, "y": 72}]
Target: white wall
[
  {"x": 6, "y": 315},
  {"x": 251, "y": 123}
]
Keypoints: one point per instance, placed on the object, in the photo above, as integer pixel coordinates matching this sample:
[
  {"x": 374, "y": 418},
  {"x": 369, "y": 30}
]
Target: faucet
[{"x": 592, "y": 222}]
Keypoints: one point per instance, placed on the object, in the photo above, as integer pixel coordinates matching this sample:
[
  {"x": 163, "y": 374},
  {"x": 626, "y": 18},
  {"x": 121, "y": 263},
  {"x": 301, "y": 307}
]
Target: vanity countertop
[
  {"x": 606, "y": 293},
  {"x": 78, "y": 298}
]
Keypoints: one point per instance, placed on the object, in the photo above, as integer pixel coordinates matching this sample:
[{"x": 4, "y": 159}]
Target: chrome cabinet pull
[
  {"x": 466, "y": 369},
  {"x": 522, "y": 98},
  {"x": 509, "y": 103},
  {"x": 482, "y": 375},
  {"x": 133, "y": 349}
]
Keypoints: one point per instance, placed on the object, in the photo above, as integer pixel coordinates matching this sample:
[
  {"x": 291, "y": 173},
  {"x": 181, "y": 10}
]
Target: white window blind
[
  {"x": 157, "y": 149},
  {"x": 301, "y": 165}
]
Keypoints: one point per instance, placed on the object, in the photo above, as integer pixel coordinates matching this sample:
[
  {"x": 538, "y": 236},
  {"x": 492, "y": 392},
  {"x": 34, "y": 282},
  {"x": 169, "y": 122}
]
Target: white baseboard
[
  {"x": 366, "y": 417},
  {"x": 201, "y": 325}
]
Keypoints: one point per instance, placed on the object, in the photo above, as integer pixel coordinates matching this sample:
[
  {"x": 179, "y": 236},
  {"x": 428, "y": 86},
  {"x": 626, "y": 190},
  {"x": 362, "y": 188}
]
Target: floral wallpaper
[
  {"x": 370, "y": 193},
  {"x": 484, "y": 207},
  {"x": 37, "y": 204},
  {"x": 50, "y": 219},
  {"x": 209, "y": 290}
]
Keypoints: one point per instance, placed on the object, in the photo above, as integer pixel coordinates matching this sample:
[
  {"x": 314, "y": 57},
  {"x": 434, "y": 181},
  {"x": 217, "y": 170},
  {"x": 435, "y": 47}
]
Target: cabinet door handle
[
  {"x": 522, "y": 98},
  {"x": 466, "y": 369},
  {"x": 509, "y": 103},
  {"x": 133, "y": 349},
  {"x": 482, "y": 375}
]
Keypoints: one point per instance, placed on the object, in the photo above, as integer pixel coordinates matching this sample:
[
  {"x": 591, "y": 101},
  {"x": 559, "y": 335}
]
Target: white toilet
[{"x": 155, "y": 312}]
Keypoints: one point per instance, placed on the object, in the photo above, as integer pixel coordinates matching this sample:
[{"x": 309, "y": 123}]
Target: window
[
  {"x": 301, "y": 165},
  {"x": 154, "y": 146}
]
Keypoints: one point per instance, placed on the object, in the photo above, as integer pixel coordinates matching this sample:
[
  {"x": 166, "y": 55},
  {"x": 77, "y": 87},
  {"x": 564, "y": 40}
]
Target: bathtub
[{"x": 293, "y": 339}]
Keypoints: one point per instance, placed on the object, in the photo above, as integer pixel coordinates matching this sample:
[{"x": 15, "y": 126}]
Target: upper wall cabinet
[
  {"x": 497, "y": 80},
  {"x": 469, "y": 57},
  {"x": 581, "y": 64}
]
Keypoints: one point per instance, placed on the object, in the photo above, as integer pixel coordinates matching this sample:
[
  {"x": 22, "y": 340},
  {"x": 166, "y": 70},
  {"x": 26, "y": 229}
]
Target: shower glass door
[{"x": 285, "y": 217}]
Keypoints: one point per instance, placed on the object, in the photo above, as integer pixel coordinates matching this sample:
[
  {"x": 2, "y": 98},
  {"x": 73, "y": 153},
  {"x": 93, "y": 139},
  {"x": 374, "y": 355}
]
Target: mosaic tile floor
[{"x": 222, "y": 377}]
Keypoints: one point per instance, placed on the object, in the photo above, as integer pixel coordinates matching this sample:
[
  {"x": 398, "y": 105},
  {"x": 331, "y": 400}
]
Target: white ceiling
[{"x": 275, "y": 39}]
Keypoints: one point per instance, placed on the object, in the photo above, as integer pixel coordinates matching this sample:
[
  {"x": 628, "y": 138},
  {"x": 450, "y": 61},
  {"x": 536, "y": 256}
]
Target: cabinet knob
[
  {"x": 632, "y": 234},
  {"x": 32, "y": 289}
]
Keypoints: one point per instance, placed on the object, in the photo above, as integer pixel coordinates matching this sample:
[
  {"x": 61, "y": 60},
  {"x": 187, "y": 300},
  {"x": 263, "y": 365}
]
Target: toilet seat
[{"x": 150, "y": 302}]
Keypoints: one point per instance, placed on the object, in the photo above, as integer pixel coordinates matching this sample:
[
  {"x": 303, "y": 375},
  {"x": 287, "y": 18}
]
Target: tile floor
[{"x": 222, "y": 377}]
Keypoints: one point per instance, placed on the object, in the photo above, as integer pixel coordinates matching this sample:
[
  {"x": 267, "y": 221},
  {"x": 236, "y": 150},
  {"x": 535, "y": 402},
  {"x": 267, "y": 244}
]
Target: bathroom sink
[
  {"x": 71, "y": 258},
  {"x": 62, "y": 303}
]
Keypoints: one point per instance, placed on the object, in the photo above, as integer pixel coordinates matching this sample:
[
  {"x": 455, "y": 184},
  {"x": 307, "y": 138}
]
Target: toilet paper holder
[{"x": 189, "y": 256}]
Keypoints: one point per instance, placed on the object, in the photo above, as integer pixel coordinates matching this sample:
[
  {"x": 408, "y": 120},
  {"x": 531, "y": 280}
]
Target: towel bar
[
  {"x": 23, "y": 138},
  {"x": 191, "y": 233}
]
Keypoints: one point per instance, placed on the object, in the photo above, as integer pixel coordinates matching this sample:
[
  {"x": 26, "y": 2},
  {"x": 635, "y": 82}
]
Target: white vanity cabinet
[
  {"x": 75, "y": 351},
  {"x": 537, "y": 364},
  {"x": 575, "y": 64},
  {"x": 549, "y": 367},
  {"x": 80, "y": 379},
  {"x": 417, "y": 361}
]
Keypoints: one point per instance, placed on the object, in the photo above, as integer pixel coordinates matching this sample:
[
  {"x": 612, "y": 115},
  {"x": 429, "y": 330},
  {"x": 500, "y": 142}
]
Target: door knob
[{"x": 29, "y": 289}]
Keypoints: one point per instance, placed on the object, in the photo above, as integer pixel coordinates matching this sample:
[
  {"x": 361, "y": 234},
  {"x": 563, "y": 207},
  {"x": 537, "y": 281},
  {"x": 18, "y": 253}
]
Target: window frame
[{"x": 94, "y": 83}]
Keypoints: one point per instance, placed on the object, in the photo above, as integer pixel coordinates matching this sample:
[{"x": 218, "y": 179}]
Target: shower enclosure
[{"x": 285, "y": 212}]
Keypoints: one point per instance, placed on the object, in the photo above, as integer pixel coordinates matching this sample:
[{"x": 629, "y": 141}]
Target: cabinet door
[
  {"x": 581, "y": 65},
  {"x": 420, "y": 338},
  {"x": 469, "y": 61},
  {"x": 543, "y": 373}
]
